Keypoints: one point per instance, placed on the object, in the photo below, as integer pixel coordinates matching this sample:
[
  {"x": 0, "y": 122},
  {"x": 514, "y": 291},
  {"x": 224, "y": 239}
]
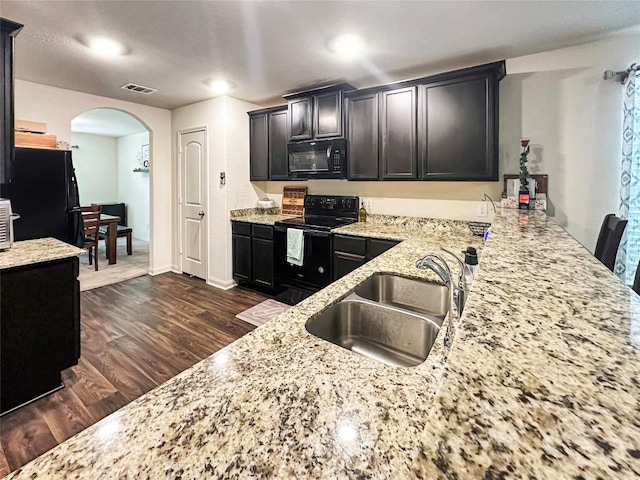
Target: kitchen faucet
[
  {"x": 461, "y": 290},
  {"x": 430, "y": 261}
]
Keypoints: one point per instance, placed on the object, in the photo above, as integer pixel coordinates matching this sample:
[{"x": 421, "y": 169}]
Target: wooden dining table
[{"x": 111, "y": 222}]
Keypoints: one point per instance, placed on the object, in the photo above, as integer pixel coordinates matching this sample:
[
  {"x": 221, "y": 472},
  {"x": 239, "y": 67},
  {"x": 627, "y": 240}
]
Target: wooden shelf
[{"x": 143, "y": 170}]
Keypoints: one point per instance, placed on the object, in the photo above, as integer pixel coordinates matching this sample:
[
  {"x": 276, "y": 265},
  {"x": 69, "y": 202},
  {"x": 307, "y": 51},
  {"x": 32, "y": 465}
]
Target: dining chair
[
  {"x": 91, "y": 223},
  {"x": 609, "y": 240},
  {"x": 119, "y": 210},
  {"x": 636, "y": 280}
]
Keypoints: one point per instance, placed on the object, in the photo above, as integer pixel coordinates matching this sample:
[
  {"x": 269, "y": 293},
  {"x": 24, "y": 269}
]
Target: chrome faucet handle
[
  {"x": 440, "y": 267},
  {"x": 464, "y": 268}
]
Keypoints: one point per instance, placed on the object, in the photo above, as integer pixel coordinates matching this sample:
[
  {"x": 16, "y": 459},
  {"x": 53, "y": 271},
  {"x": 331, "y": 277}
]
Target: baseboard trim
[
  {"x": 221, "y": 284},
  {"x": 159, "y": 270}
]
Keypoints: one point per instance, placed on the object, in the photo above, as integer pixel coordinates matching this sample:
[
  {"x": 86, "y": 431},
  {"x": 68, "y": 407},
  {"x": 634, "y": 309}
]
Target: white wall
[
  {"x": 57, "y": 107},
  {"x": 227, "y": 125},
  {"x": 133, "y": 187},
  {"x": 95, "y": 162},
  {"x": 559, "y": 100},
  {"x": 449, "y": 200}
]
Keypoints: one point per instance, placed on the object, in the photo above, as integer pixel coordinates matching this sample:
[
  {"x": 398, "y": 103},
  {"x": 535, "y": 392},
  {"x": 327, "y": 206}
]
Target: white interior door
[{"x": 194, "y": 203}]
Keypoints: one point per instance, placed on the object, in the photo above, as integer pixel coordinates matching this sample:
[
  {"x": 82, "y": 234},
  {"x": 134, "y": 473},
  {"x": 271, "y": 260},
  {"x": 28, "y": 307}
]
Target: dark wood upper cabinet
[
  {"x": 328, "y": 114},
  {"x": 259, "y": 146},
  {"x": 8, "y": 30},
  {"x": 317, "y": 113},
  {"x": 268, "y": 144},
  {"x": 300, "y": 118},
  {"x": 362, "y": 132},
  {"x": 398, "y": 129},
  {"x": 458, "y": 129},
  {"x": 442, "y": 127},
  {"x": 278, "y": 168}
]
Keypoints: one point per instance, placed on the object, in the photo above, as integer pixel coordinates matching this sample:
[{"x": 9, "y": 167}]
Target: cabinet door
[
  {"x": 344, "y": 263},
  {"x": 377, "y": 247},
  {"x": 398, "y": 125},
  {"x": 8, "y": 30},
  {"x": 300, "y": 119},
  {"x": 362, "y": 131},
  {"x": 39, "y": 331},
  {"x": 259, "y": 147},
  {"x": 263, "y": 263},
  {"x": 278, "y": 164},
  {"x": 458, "y": 130},
  {"x": 241, "y": 246},
  {"x": 328, "y": 114}
]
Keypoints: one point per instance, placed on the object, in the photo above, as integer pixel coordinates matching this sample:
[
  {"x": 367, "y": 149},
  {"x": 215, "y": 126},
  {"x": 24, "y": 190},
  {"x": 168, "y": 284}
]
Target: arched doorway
[{"x": 112, "y": 159}]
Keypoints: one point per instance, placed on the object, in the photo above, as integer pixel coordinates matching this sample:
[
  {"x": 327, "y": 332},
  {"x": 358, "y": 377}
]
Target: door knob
[{"x": 201, "y": 213}]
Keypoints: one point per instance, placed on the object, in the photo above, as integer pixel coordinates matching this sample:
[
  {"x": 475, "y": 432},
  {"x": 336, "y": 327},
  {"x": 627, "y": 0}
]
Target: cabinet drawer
[
  {"x": 355, "y": 245},
  {"x": 241, "y": 228},
  {"x": 262, "y": 231}
]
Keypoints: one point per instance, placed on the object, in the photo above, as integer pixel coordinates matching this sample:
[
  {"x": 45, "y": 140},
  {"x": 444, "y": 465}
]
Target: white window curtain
[{"x": 629, "y": 252}]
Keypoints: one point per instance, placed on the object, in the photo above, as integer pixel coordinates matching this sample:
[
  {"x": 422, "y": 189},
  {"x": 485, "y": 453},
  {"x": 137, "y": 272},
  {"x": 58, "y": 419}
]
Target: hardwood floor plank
[
  {"x": 135, "y": 335},
  {"x": 106, "y": 406},
  {"x": 64, "y": 414},
  {"x": 4, "y": 465},
  {"x": 88, "y": 384},
  {"x": 24, "y": 435}
]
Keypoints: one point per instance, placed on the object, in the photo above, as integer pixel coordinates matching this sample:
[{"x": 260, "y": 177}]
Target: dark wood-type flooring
[{"x": 135, "y": 335}]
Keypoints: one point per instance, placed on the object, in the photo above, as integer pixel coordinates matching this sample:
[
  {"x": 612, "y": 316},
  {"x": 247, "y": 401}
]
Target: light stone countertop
[
  {"x": 541, "y": 382},
  {"x": 254, "y": 215},
  {"x": 28, "y": 252}
]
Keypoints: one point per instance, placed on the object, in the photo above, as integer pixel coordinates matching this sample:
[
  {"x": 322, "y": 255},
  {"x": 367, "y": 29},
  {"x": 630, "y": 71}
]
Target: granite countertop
[
  {"x": 540, "y": 382},
  {"x": 40, "y": 250},
  {"x": 254, "y": 215}
]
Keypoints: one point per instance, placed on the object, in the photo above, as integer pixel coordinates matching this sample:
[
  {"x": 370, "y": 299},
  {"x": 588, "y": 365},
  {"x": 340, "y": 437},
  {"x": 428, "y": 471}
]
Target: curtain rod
[{"x": 619, "y": 76}]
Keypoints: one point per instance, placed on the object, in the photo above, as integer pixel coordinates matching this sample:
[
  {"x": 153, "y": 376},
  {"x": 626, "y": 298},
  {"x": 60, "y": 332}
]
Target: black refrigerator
[{"x": 44, "y": 192}]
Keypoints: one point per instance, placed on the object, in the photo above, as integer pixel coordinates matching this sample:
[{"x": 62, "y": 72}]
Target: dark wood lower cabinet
[
  {"x": 241, "y": 246},
  {"x": 263, "y": 274},
  {"x": 344, "y": 263},
  {"x": 253, "y": 257},
  {"x": 39, "y": 329},
  {"x": 376, "y": 246},
  {"x": 351, "y": 252}
]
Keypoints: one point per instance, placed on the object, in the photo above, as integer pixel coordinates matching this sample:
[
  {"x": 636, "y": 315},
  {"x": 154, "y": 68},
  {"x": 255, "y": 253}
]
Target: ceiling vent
[{"x": 132, "y": 87}]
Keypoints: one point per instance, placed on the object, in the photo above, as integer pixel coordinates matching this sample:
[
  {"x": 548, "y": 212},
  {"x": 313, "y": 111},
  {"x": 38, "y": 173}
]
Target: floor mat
[{"x": 263, "y": 312}]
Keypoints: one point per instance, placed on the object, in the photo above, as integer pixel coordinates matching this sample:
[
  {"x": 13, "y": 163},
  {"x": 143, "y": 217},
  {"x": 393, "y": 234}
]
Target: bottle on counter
[
  {"x": 471, "y": 261},
  {"x": 362, "y": 213},
  {"x": 524, "y": 198}
]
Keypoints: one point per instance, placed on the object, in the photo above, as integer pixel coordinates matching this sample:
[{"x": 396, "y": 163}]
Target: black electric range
[{"x": 322, "y": 214}]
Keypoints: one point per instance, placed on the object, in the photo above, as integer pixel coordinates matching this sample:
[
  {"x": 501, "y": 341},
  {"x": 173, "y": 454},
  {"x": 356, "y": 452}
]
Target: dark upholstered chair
[
  {"x": 90, "y": 224},
  {"x": 118, "y": 210},
  {"x": 609, "y": 240},
  {"x": 636, "y": 281}
]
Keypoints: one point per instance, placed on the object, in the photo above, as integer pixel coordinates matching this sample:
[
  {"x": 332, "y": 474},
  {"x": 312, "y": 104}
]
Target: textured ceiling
[
  {"x": 107, "y": 122},
  {"x": 269, "y": 48}
]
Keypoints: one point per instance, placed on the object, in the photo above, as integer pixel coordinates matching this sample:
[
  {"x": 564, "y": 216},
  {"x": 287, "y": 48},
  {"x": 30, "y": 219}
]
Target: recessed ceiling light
[
  {"x": 220, "y": 86},
  {"x": 106, "y": 47},
  {"x": 347, "y": 45}
]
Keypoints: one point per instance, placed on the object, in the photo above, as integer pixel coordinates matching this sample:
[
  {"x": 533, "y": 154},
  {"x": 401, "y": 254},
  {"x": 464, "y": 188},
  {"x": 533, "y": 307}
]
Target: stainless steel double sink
[{"x": 391, "y": 319}]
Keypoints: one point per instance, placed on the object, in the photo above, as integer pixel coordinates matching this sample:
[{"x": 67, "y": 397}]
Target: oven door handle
[{"x": 316, "y": 233}]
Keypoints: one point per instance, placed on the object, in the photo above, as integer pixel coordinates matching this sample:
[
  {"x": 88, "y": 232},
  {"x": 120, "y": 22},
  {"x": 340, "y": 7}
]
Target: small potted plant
[{"x": 523, "y": 195}]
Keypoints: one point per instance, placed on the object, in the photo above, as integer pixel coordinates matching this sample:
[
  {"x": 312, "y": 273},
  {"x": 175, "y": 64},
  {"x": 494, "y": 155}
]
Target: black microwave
[{"x": 318, "y": 159}]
